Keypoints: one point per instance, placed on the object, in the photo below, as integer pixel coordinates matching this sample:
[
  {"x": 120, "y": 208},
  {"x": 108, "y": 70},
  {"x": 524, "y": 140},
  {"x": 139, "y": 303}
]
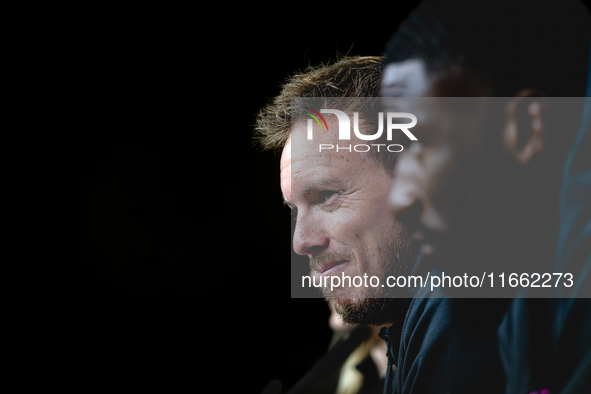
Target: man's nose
[{"x": 309, "y": 237}]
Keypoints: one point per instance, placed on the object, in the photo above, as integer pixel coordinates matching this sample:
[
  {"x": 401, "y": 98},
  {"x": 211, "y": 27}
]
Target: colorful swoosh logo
[{"x": 316, "y": 118}]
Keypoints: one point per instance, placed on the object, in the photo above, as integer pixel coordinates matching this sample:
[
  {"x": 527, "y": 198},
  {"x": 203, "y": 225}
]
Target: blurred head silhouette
[{"x": 484, "y": 173}]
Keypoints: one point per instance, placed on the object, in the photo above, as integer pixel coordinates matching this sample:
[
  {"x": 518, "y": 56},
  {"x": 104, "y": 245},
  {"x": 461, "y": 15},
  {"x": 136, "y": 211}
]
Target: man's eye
[{"x": 326, "y": 195}]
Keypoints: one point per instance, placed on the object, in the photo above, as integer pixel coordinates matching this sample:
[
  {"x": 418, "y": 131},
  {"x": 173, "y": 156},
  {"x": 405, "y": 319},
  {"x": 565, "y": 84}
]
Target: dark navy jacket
[{"x": 447, "y": 345}]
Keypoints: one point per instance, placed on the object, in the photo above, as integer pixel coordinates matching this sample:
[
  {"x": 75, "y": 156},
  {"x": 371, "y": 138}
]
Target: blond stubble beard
[{"x": 378, "y": 306}]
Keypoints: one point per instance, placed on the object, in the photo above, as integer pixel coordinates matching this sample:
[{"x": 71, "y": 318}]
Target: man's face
[
  {"x": 343, "y": 224},
  {"x": 435, "y": 176}
]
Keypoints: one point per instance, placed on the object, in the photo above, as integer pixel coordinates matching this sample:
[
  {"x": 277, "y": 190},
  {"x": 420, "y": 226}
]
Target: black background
[{"x": 162, "y": 258}]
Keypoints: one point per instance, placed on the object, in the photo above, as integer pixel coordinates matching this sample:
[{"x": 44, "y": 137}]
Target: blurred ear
[{"x": 523, "y": 134}]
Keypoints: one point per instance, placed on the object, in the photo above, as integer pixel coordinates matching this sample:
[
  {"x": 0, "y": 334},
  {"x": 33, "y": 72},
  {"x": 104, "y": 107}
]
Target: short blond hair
[{"x": 349, "y": 76}]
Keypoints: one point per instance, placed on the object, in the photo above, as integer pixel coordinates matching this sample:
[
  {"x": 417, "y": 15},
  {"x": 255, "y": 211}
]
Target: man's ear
[{"x": 523, "y": 133}]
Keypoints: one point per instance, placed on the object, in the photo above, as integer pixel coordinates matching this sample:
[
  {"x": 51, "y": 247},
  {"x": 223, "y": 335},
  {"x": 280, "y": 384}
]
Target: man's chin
[{"x": 366, "y": 311}]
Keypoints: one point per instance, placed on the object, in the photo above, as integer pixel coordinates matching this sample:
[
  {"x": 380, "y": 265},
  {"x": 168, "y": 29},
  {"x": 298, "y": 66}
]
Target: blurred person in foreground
[{"x": 480, "y": 188}]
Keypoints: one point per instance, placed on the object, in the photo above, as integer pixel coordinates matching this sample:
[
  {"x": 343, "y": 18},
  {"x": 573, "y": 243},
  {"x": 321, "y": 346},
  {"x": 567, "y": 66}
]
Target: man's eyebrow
[
  {"x": 310, "y": 187},
  {"x": 320, "y": 183}
]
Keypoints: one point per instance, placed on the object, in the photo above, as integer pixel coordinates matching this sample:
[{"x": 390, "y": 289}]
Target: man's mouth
[{"x": 327, "y": 268}]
